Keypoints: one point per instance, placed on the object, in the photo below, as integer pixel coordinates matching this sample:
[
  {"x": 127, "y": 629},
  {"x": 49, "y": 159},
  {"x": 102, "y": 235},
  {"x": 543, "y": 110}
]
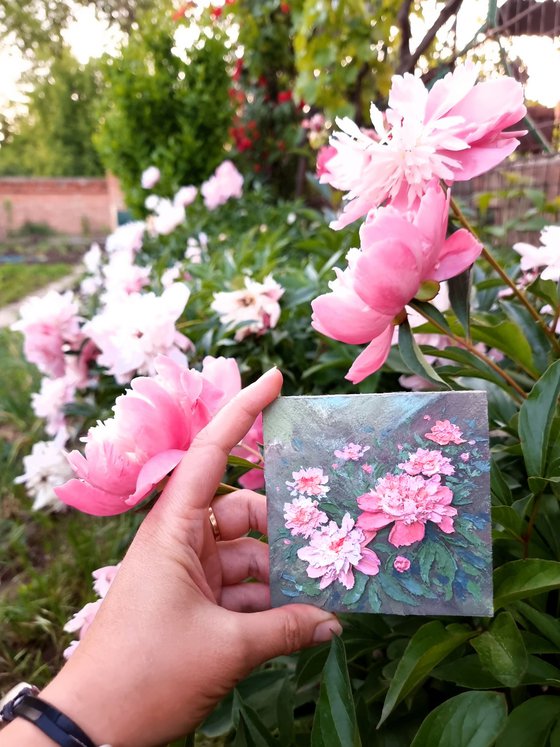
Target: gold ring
[{"x": 214, "y": 524}]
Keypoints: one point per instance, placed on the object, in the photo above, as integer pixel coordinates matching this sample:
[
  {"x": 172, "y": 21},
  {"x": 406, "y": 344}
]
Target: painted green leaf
[
  {"x": 472, "y": 719},
  {"x": 524, "y": 578},
  {"x": 535, "y": 420},
  {"x": 334, "y": 724},
  {"x": 426, "y": 649},
  {"x": 531, "y": 723},
  {"x": 354, "y": 595},
  {"x": 502, "y": 651}
]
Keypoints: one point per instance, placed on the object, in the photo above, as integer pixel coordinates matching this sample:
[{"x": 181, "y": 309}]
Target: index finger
[{"x": 196, "y": 478}]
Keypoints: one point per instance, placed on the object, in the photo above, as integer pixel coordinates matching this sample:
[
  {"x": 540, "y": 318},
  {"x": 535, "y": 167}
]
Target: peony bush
[{"x": 220, "y": 282}]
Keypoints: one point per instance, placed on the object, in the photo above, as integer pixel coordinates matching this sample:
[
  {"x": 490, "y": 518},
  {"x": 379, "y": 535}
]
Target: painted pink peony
[
  {"x": 409, "y": 502},
  {"x": 310, "y": 481},
  {"x": 303, "y": 518},
  {"x": 226, "y": 182},
  {"x": 335, "y": 552},
  {"x": 427, "y": 462},
  {"x": 50, "y": 326},
  {"x": 351, "y": 452},
  {"x": 444, "y": 432},
  {"x": 401, "y": 564},
  {"x": 453, "y": 132},
  {"x": 153, "y": 425},
  {"x": 398, "y": 252}
]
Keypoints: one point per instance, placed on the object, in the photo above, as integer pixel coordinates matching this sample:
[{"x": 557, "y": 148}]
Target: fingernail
[
  {"x": 270, "y": 371},
  {"x": 326, "y": 630}
]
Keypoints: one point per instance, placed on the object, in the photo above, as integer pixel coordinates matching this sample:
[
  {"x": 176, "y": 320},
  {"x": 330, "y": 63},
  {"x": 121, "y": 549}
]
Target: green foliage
[
  {"x": 159, "y": 109},
  {"x": 42, "y": 142}
]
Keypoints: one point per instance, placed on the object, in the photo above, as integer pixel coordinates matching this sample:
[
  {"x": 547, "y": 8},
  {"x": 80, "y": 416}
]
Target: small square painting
[{"x": 380, "y": 502}]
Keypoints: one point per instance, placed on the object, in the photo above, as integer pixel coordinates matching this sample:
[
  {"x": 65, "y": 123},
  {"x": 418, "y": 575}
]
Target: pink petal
[
  {"x": 406, "y": 534},
  {"x": 346, "y": 578},
  {"x": 388, "y": 275},
  {"x": 252, "y": 480},
  {"x": 369, "y": 522},
  {"x": 345, "y": 317},
  {"x": 372, "y": 358},
  {"x": 459, "y": 251},
  {"x": 480, "y": 159},
  {"x": 91, "y": 500},
  {"x": 446, "y": 525},
  {"x": 369, "y": 563},
  {"x": 152, "y": 472}
]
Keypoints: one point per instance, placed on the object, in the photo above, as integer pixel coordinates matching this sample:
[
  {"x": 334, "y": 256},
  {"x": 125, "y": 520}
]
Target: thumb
[{"x": 283, "y": 630}]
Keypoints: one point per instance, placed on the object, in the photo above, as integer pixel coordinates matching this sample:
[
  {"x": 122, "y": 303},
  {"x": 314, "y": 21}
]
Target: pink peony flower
[
  {"x": 50, "y": 326},
  {"x": 324, "y": 155},
  {"x": 427, "y": 462},
  {"x": 127, "y": 238},
  {"x": 253, "y": 310},
  {"x": 131, "y": 331},
  {"x": 185, "y": 196},
  {"x": 351, "y": 452},
  {"x": 444, "y": 433},
  {"x": 453, "y": 132},
  {"x": 122, "y": 277},
  {"x": 45, "y": 468},
  {"x": 465, "y": 456},
  {"x": 547, "y": 255},
  {"x": 49, "y": 402},
  {"x": 81, "y": 621},
  {"x": 166, "y": 216},
  {"x": 334, "y": 552},
  {"x": 399, "y": 252},
  {"x": 310, "y": 481},
  {"x": 409, "y": 502},
  {"x": 367, "y": 468},
  {"x": 150, "y": 177},
  {"x": 303, "y": 517},
  {"x": 225, "y": 183},
  {"x": 401, "y": 564},
  {"x": 153, "y": 425},
  {"x": 103, "y": 578},
  {"x": 249, "y": 448}
]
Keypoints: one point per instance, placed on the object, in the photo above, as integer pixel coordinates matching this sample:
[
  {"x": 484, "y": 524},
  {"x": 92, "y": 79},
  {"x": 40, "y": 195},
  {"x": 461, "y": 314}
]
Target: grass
[
  {"x": 46, "y": 560},
  {"x": 17, "y": 281}
]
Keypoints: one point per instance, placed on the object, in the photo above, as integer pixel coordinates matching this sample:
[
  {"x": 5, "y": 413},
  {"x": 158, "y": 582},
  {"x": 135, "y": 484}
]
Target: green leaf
[
  {"x": 499, "y": 488},
  {"x": 415, "y": 358},
  {"x": 509, "y": 338},
  {"x": 472, "y": 719},
  {"x": 502, "y": 651},
  {"x": 459, "y": 297},
  {"x": 524, "y": 578},
  {"x": 426, "y": 649},
  {"x": 546, "y": 624},
  {"x": 431, "y": 312},
  {"x": 539, "y": 342},
  {"x": 535, "y": 420},
  {"x": 251, "y": 731},
  {"x": 334, "y": 724},
  {"x": 235, "y": 461},
  {"x": 531, "y": 723},
  {"x": 285, "y": 710}
]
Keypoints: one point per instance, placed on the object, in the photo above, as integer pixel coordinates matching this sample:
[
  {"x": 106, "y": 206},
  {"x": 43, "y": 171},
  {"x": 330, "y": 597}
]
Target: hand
[{"x": 179, "y": 628}]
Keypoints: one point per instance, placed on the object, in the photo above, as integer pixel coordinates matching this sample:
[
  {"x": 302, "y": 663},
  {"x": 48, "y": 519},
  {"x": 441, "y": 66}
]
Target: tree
[
  {"x": 54, "y": 136},
  {"x": 163, "y": 110}
]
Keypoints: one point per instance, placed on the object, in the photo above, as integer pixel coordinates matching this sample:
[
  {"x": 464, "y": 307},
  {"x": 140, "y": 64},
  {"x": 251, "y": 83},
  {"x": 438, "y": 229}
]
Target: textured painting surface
[{"x": 380, "y": 502}]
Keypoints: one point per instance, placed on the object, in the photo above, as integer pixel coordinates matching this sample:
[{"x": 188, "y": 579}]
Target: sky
[{"x": 88, "y": 37}]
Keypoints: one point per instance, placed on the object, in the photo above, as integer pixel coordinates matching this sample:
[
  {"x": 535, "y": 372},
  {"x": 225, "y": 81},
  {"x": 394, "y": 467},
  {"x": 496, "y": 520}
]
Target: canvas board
[{"x": 380, "y": 503}]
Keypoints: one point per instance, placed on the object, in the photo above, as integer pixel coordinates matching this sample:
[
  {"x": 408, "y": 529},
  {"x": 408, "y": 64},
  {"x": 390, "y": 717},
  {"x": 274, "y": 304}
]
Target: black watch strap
[{"x": 61, "y": 729}]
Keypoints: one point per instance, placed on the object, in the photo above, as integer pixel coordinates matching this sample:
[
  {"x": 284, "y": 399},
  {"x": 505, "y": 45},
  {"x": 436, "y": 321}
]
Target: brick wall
[{"x": 72, "y": 206}]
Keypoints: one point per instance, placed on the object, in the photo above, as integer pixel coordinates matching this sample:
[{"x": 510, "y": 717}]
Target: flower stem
[
  {"x": 505, "y": 277},
  {"x": 225, "y": 488},
  {"x": 254, "y": 452},
  {"x": 473, "y": 350}
]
